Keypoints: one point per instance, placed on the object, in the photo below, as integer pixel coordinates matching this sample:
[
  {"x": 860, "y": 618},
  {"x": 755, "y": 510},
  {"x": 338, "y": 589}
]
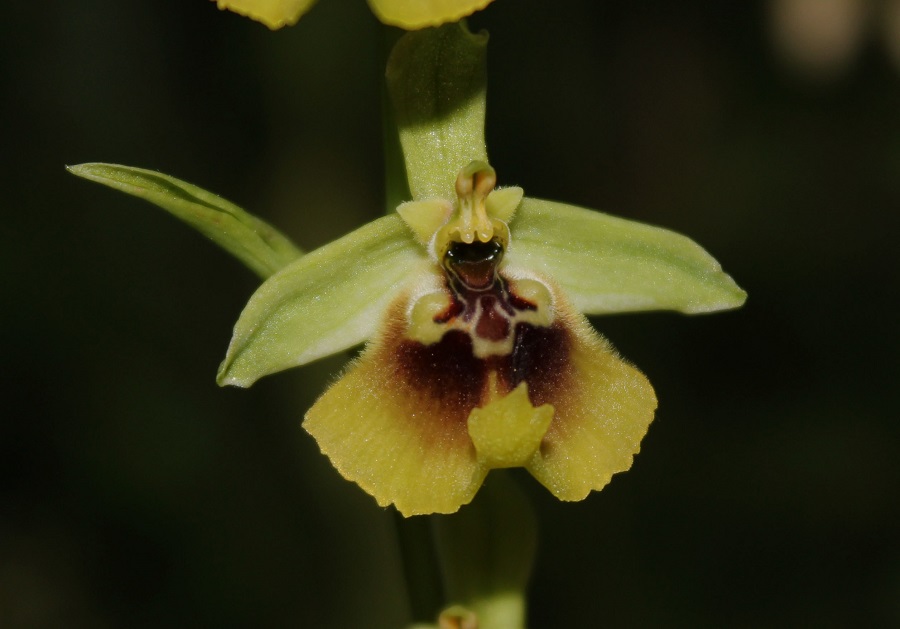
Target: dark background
[{"x": 136, "y": 493}]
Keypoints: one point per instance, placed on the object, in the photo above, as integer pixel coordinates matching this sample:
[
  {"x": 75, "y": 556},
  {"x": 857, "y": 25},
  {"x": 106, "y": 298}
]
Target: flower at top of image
[
  {"x": 472, "y": 302},
  {"x": 408, "y": 14}
]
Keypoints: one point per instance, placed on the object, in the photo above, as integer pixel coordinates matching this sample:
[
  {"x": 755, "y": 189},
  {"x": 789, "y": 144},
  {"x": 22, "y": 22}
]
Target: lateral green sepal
[
  {"x": 329, "y": 300},
  {"x": 607, "y": 264},
  {"x": 251, "y": 240}
]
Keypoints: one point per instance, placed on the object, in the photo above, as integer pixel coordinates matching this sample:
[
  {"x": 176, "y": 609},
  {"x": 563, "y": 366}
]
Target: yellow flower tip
[
  {"x": 508, "y": 431},
  {"x": 416, "y": 14},
  {"x": 273, "y": 13}
]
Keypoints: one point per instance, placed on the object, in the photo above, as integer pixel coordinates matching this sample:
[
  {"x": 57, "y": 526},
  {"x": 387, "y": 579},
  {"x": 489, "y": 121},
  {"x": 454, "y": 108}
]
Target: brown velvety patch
[
  {"x": 447, "y": 373},
  {"x": 540, "y": 357}
]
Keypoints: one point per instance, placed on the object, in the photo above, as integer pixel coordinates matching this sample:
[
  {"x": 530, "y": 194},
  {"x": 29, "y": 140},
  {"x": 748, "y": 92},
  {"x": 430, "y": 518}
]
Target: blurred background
[{"x": 136, "y": 493}]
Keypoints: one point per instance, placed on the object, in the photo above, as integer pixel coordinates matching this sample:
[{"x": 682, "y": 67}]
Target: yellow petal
[
  {"x": 508, "y": 431},
  {"x": 415, "y": 14},
  {"x": 393, "y": 425},
  {"x": 272, "y": 13},
  {"x": 603, "y": 407}
]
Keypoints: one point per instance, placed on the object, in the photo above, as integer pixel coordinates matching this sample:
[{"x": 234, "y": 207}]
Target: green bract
[{"x": 408, "y": 14}]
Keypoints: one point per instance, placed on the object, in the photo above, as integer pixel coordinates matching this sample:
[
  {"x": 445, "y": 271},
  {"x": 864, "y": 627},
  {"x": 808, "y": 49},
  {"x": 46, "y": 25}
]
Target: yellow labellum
[{"x": 419, "y": 422}]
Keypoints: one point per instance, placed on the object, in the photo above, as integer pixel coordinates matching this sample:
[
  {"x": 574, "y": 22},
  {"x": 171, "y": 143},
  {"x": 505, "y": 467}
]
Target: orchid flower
[{"x": 471, "y": 300}]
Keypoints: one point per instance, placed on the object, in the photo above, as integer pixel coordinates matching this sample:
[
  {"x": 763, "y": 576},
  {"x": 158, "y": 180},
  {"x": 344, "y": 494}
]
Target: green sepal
[
  {"x": 254, "y": 242},
  {"x": 436, "y": 80},
  {"x": 607, "y": 264},
  {"x": 329, "y": 300}
]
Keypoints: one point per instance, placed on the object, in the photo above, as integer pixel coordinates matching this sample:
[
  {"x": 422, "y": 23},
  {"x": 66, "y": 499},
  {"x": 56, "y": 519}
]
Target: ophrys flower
[{"x": 471, "y": 300}]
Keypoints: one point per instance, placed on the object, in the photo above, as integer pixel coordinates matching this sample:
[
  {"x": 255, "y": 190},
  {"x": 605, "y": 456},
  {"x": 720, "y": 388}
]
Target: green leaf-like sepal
[
  {"x": 436, "y": 79},
  {"x": 607, "y": 264},
  {"x": 329, "y": 300},
  {"x": 254, "y": 242}
]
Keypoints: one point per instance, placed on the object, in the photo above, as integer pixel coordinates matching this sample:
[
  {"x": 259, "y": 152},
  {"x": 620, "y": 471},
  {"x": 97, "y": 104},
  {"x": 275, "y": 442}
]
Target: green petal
[
  {"x": 436, "y": 79},
  {"x": 415, "y": 14},
  {"x": 607, "y": 264},
  {"x": 503, "y": 202},
  {"x": 272, "y": 13},
  {"x": 327, "y": 301},
  {"x": 252, "y": 241},
  {"x": 424, "y": 218}
]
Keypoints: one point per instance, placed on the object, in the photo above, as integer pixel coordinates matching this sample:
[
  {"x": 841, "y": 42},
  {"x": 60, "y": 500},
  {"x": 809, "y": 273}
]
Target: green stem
[
  {"x": 420, "y": 567},
  {"x": 487, "y": 551}
]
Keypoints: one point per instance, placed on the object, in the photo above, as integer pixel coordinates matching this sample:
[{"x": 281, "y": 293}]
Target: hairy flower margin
[
  {"x": 472, "y": 302},
  {"x": 408, "y": 14}
]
